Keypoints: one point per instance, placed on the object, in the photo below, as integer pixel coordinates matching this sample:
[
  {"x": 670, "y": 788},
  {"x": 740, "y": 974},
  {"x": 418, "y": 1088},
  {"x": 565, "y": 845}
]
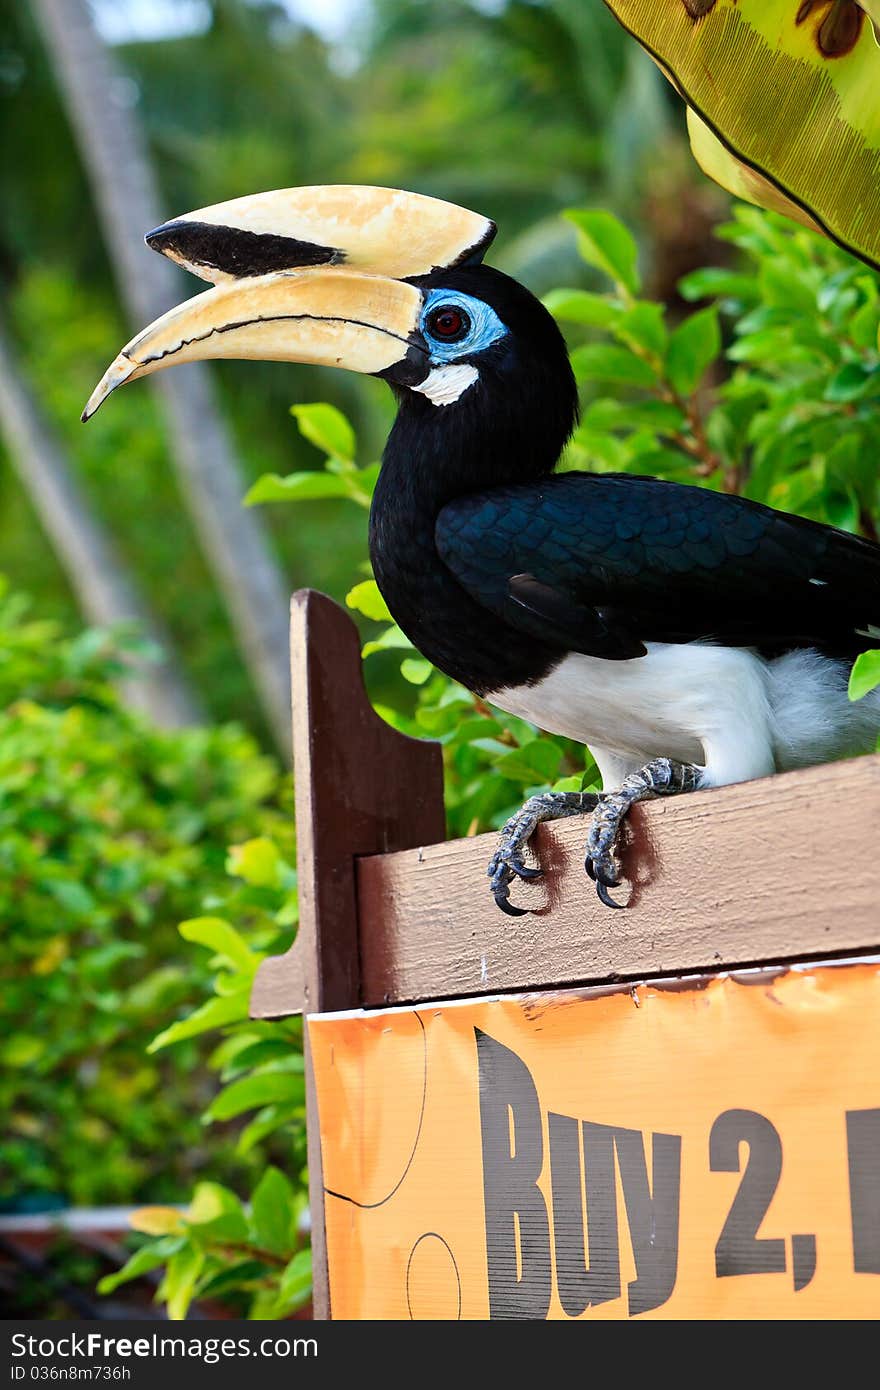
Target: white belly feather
[{"x": 726, "y": 709}]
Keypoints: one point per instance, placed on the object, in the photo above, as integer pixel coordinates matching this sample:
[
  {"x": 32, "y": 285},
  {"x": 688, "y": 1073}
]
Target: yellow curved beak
[
  {"x": 329, "y": 317},
  {"x": 303, "y": 275}
]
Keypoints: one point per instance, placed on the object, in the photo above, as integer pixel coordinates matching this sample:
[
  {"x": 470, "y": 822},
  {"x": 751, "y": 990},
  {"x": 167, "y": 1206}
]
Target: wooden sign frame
[{"x": 390, "y": 913}]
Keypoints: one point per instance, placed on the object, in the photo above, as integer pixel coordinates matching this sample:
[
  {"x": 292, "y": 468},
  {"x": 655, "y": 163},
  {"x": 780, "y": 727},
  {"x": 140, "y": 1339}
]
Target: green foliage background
[
  {"x": 744, "y": 361},
  {"x": 110, "y": 832}
]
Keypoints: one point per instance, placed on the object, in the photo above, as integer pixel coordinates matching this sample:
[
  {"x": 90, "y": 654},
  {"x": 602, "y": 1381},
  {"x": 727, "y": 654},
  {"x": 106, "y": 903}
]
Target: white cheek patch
[{"x": 447, "y": 384}]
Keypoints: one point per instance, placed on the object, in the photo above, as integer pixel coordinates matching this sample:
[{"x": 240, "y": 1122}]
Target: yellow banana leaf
[
  {"x": 738, "y": 178},
  {"x": 784, "y": 102}
]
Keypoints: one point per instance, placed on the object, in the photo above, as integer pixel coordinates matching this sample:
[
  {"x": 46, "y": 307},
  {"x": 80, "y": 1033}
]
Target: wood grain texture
[
  {"x": 361, "y": 788},
  {"x": 769, "y": 870}
]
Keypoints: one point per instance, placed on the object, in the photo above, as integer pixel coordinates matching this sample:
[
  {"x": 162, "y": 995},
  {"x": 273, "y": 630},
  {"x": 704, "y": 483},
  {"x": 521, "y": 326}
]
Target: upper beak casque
[{"x": 313, "y": 275}]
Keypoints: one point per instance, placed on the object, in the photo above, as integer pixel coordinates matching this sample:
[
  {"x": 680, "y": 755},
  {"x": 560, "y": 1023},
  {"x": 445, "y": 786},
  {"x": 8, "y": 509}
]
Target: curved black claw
[
  {"x": 603, "y": 881},
  {"x": 610, "y": 880},
  {"x": 502, "y": 900},
  {"x": 605, "y": 897},
  {"x": 523, "y": 871},
  {"x": 505, "y": 865}
]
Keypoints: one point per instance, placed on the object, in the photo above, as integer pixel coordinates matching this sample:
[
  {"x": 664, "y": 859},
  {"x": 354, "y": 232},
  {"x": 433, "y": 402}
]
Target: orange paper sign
[{"x": 708, "y": 1149}]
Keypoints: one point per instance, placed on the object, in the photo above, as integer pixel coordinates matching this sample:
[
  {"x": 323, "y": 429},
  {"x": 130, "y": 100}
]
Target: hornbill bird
[{"x": 690, "y": 638}]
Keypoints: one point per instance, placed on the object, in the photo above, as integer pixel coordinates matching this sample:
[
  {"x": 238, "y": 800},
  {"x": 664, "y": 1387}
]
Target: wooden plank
[
  {"x": 361, "y": 788},
  {"x": 776, "y": 869}
]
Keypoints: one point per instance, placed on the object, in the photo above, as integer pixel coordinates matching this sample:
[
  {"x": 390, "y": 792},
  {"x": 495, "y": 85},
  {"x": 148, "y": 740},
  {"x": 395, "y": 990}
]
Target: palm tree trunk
[
  {"x": 105, "y": 592},
  {"x": 234, "y": 541}
]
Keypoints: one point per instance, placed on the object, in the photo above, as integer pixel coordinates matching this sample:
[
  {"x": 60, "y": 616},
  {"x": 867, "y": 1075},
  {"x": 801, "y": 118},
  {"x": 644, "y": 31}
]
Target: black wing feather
[
  {"x": 605, "y": 563},
  {"x": 554, "y": 616}
]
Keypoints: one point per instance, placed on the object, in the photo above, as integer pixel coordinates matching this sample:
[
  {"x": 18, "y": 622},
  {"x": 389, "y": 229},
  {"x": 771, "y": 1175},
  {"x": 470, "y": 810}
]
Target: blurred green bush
[
  {"x": 110, "y": 832},
  {"x": 253, "y": 1257}
]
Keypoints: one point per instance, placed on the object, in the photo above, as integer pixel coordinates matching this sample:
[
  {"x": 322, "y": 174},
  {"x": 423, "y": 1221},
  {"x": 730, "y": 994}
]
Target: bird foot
[
  {"x": 599, "y": 860},
  {"x": 508, "y": 862},
  {"x": 661, "y": 777}
]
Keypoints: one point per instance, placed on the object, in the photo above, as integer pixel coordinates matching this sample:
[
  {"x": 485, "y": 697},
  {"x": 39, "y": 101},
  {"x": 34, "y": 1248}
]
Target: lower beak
[{"x": 331, "y": 316}]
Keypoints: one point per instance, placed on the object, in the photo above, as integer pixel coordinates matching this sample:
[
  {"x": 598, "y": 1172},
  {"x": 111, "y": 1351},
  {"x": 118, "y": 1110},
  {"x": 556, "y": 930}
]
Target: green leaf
[
  {"x": 219, "y": 936},
  {"x": 711, "y": 282},
  {"x": 865, "y": 675},
  {"x": 22, "y": 1050},
  {"x": 537, "y": 761},
  {"x": 643, "y": 326},
  {"x": 216, "y": 1213},
  {"x": 141, "y": 1262},
  {"x": 607, "y": 414},
  {"x": 841, "y": 508},
  {"x": 273, "y": 1213},
  {"x": 215, "y": 1014},
  {"x": 244, "y": 1274},
  {"x": 604, "y": 242},
  {"x": 252, "y": 1091},
  {"x": 770, "y": 346},
  {"x": 251, "y": 1053},
  {"x": 601, "y": 450},
  {"x": 663, "y": 463},
  {"x": 864, "y": 322},
  {"x": 272, "y": 1118},
  {"x": 180, "y": 1280},
  {"x": 327, "y": 428},
  {"x": 363, "y": 482},
  {"x": 604, "y": 362},
  {"x": 156, "y": 1221},
  {"x": 767, "y": 316},
  {"x": 785, "y": 286},
  {"x": 297, "y": 487},
  {"x": 415, "y": 670},
  {"x": 392, "y": 637},
  {"x": 569, "y": 784},
  {"x": 365, "y": 598},
  {"x": 75, "y": 898},
  {"x": 851, "y": 382},
  {"x": 848, "y": 462},
  {"x": 257, "y": 861},
  {"x": 296, "y": 1281},
  {"x": 580, "y": 306},
  {"x": 466, "y": 730},
  {"x": 692, "y": 346}
]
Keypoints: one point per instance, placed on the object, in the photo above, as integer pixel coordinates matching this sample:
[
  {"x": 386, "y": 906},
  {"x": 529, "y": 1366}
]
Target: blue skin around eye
[{"x": 486, "y": 327}]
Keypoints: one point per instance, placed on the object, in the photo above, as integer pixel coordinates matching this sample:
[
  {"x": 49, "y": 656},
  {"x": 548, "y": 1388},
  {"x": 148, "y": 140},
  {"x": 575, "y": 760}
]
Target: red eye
[{"x": 448, "y": 323}]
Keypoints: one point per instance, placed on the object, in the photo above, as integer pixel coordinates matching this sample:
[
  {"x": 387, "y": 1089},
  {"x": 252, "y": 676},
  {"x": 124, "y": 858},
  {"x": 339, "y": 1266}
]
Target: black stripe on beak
[
  {"x": 473, "y": 255},
  {"x": 238, "y": 252}
]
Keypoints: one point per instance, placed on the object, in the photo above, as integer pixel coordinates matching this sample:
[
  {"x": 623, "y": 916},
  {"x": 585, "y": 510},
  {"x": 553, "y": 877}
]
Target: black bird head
[
  {"x": 379, "y": 281},
  {"x": 488, "y": 389}
]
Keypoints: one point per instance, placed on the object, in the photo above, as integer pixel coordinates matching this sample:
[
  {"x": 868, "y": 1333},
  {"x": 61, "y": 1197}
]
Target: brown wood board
[
  {"x": 768, "y": 870},
  {"x": 361, "y": 787}
]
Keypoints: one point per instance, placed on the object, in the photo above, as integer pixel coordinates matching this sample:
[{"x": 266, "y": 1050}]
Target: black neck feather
[{"x": 509, "y": 427}]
